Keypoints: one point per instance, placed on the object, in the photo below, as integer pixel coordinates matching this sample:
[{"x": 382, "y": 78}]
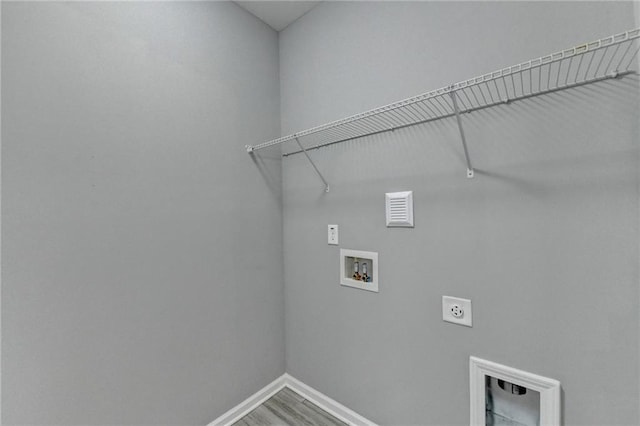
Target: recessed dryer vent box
[
  {"x": 359, "y": 269},
  {"x": 502, "y": 395}
]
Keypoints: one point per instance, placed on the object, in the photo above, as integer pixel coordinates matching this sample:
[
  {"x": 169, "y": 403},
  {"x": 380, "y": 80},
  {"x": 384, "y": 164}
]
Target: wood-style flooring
[{"x": 290, "y": 409}]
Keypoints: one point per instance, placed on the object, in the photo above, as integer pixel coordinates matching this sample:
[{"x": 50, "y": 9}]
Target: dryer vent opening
[{"x": 510, "y": 404}]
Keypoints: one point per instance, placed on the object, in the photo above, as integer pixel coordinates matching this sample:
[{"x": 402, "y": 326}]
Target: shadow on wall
[
  {"x": 264, "y": 162},
  {"x": 574, "y": 135}
]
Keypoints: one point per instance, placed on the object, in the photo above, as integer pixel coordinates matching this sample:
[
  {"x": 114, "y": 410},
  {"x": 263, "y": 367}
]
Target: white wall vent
[{"x": 399, "y": 209}]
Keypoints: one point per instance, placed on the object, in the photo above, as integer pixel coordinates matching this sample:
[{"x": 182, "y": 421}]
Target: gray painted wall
[
  {"x": 142, "y": 247},
  {"x": 544, "y": 240}
]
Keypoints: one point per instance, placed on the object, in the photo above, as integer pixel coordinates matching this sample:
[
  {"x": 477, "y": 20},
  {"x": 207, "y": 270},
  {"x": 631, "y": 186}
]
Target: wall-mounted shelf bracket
[
  {"x": 464, "y": 140},
  {"x": 326, "y": 185}
]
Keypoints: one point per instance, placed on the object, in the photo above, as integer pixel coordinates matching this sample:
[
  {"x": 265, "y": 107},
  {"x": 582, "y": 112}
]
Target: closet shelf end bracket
[
  {"x": 326, "y": 184},
  {"x": 470, "y": 172}
]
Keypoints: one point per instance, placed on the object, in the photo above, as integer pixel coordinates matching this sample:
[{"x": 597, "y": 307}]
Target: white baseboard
[
  {"x": 249, "y": 404},
  {"x": 329, "y": 405},
  {"x": 312, "y": 395}
]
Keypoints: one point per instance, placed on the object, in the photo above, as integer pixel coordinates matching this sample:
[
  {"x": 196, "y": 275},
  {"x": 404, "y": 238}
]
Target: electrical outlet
[
  {"x": 332, "y": 234},
  {"x": 456, "y": 310}
]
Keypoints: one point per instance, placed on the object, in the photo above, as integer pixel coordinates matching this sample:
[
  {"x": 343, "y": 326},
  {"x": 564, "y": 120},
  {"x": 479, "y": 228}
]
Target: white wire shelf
[{"x": 607, "y": 58}]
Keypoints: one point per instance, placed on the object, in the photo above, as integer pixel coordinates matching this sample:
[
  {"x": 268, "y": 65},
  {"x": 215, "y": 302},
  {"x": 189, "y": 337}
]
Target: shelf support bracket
[
  {"x": 464, "y": 140},
  {"x": 326, "y": 185}
]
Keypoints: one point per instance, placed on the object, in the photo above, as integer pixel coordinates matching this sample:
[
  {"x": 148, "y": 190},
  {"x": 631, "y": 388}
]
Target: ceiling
[{"x": 277, "y": 14}]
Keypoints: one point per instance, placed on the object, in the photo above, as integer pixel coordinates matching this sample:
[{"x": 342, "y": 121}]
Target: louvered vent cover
[{"x": 399, "y": 209}]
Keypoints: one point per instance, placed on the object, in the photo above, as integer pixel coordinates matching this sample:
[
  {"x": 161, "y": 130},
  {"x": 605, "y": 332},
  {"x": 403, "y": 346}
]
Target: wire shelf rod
[
  {"x": 286, "y": 154},
  {"x": 632, "y": 58}
]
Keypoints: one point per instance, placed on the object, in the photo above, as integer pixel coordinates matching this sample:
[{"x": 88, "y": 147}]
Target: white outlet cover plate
[
  {"x": 332, "y": 234},
  {"x": 447, "y": 304}
]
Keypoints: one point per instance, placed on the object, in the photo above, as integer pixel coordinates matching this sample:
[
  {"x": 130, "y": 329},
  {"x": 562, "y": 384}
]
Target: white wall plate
[
  {"x": 457, "y": 311},
  {"x": 332, "y": 235}
]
